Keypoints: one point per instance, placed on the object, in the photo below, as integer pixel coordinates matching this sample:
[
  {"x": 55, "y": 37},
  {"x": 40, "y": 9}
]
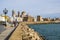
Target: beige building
[
  {"x": 39, "y": 18},
  {"x": 28, "y": 19}
]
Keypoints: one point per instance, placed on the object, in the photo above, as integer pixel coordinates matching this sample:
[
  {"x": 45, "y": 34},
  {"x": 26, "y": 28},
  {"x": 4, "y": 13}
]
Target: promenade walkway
[{"x": 5, "y": 33}]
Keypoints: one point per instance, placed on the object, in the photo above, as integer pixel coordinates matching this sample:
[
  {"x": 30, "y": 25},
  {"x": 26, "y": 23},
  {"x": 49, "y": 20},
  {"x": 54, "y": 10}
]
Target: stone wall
[{"x": 23, "y": 32}]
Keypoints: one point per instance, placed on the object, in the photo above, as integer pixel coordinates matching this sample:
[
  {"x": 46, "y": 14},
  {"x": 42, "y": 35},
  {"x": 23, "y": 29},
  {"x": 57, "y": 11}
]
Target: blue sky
[{"x": 33, "y": 7}]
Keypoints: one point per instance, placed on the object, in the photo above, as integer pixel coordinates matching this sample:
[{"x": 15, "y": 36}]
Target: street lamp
[{"x": 5, "y": 12}]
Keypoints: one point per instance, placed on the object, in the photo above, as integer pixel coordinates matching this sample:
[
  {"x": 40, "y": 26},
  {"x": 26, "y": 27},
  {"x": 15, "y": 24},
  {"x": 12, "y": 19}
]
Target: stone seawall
[
  {"x": 23, "y": 32},
  {"x": 42, "y": 22}
]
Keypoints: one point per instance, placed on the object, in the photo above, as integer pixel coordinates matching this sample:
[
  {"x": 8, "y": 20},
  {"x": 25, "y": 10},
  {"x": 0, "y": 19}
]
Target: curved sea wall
[
  {"x": 42, "y": 22},
  {"x": 23, "y": 32}
]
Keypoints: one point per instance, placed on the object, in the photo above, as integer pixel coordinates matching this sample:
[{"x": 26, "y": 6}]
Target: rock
[{"x": 25, "y": 33}]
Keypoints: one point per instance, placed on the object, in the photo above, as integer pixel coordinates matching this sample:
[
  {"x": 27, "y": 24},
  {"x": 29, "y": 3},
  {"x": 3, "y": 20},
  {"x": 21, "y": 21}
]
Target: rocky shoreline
[{"x": 23, "y": 32}]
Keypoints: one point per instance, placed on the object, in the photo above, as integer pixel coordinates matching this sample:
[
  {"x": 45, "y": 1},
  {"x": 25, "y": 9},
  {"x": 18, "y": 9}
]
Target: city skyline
[{"x": 33, "y": 7}]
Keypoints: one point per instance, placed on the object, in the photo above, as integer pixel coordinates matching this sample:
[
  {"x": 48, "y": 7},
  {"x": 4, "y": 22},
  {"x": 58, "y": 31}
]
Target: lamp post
[{"x": 5, "y": 12}]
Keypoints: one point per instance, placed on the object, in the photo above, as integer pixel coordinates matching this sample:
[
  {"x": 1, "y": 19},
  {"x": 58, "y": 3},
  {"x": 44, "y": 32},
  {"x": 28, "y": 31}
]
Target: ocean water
[{"x": 48, "y": 31}]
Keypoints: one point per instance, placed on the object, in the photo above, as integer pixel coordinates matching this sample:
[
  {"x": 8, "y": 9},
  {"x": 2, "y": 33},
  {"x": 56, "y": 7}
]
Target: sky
[{"x": 32, "y": 7}]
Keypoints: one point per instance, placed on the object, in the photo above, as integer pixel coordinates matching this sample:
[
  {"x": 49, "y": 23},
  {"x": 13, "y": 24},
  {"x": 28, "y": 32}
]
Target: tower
[
  {"x": 13, "y": 13},
  {"x": 23, "y": 14},
  {"x": 18, "y": 14}
]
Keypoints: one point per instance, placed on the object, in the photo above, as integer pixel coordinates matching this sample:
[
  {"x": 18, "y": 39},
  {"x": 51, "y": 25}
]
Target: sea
[{"x": 48, "y": 31}]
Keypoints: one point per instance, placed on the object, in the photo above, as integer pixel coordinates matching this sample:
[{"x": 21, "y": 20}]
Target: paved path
[
  {"x": 5, "y": 33},
  {"x": 2, "y": 28}
]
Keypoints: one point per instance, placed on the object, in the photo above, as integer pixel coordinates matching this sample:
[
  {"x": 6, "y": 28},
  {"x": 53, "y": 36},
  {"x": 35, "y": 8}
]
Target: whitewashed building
[
  {"x": 19, "y": 19},
  {"x": 2, "y": 18}
]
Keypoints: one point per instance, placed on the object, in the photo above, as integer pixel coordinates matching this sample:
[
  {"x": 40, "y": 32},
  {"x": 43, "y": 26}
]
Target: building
[
  {"x": 39, "y": 18},
  {"x": 52, "y": 19},
  {"x": 23, "y": 14},
  {"x": 57, "y": 19},
  {"x": 28, "y": 19},
  {"x": 46, "y": 19},
  {"x": 18, "y": 14},
  {"x": 19, "y": 19},
  {"x": 13, "y": 13},
  {"x": 14, "y": 16},
  {"x": 35, "y": 20},
  {"x": 2, "y": 18}
]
